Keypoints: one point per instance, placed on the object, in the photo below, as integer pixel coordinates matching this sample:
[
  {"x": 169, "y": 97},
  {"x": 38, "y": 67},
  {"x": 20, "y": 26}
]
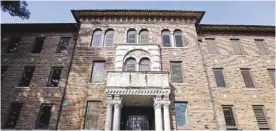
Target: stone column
[
  {"x": 117, "y": 113},
  {"x": 158, "y": 114},
  {"x": 167, "y": 123},
  {"x": 108, "y": 118}
]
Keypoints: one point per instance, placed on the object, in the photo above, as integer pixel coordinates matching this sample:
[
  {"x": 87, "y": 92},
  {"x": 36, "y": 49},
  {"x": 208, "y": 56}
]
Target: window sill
[
  {"x": 187, "y": 127},
  {"x": 96, "y": 83},
  {"x": 19, "y": 87},
  {"x": 51, "y": 87},
  {"x": 175, "y": 47},
  {"x": 253, "y": 89}
]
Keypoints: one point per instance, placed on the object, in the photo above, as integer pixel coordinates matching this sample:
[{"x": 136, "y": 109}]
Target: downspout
[
  {"x": 66, "y": 83},
  {"x": 208, "y": 81}
]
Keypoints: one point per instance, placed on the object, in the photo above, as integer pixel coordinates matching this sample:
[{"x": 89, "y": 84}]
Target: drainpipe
[
  {"x": 66, "y": 83},
  {"x": 209, "y": 86}
]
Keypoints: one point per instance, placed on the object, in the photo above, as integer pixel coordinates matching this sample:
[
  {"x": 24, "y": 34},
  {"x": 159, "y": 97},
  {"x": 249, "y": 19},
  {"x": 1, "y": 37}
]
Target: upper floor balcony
[{"x": 138, "y": 79}]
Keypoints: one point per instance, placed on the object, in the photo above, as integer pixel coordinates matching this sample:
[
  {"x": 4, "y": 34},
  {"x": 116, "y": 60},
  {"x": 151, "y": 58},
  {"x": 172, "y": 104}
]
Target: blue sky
[{"x": 217, "y": 12}]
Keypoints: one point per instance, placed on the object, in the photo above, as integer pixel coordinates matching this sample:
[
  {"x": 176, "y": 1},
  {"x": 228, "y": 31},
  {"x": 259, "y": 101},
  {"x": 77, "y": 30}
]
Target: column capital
[
  {"x": 157, "y": 105},
  {"x": 166, "y": 104}
]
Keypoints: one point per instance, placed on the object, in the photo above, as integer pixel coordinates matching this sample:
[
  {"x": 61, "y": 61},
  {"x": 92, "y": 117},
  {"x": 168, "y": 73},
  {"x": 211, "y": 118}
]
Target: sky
[{"x": 217, "y": 12}]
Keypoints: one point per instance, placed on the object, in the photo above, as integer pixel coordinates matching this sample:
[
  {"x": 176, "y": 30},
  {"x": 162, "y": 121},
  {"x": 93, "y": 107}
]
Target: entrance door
[{"x": 137, "y": 118}]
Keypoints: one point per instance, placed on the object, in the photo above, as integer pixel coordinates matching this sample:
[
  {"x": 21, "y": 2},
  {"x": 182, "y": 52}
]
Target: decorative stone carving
[{"x": 125, "y": 91}]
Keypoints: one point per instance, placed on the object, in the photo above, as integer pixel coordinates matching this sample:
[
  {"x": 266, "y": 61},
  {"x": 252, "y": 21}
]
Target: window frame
[
  {"x": 22, "y": 76},
  {"x": 113, "y": 39},
  {"x": 35, "y": 44},
  {"x": 182, "y": 69},
  {"x": 239, "y": 44},
  {"x": 39, "y": 115},
  {"x": 180, "y": 33},
  {"x": 10, "y": 41},
  {"x": 101, "y": 39},
  {"x": 136, "y": 35},
  {"x": 163, "y": 33},
  {"x": 144, "y": 58},
  {"x": 9, "y": 114},
  {"x": 187, "y": 126},
  {"x": 6, "y": 67},
  {"x": 140, "y": 38},
  {"x": 92, "y": 70},
  {"x": 265, "y": 47},
  {"x": 253, "y": 81},
  {"x": 265, "y": 116},
  {"x": 51, "y": 75},
  {"x": 214, "y": 45},
  {"x": 125, "y": 64},
  {"x": 273, "y": 81},
  {"x": 85, "y": 114},
  {"x": 222, "y": 71},
  {"x": 234, "y": 118},
  {"x": 59, "y": 43}
]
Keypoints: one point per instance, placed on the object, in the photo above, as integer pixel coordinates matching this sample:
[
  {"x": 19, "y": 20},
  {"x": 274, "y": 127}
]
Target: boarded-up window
[
  {"x": 181, "y": 114},
  {"x": 130, "y": 64},
  {"x": 54, "y": 77},
  {"x": 247, "y": 78},
  {"x": 3, "y": 70},
  {"x": 14, "y": 42},
  {"x": 272, "y": 75},
  {"x": 144, "y": 36},
  {"x": 211, "y": 45},
  {"x": 98, "y": 72},
  {"x": 13, "y": 115},
  {"x": 92, "y": 116},
  {"x": 178, "y": 36},
  {"x": 261, "y": 47},
  {"x": 109, "y": 38},
  {"x": 97, "y": 38},
  {"x": 44, "y": 116},
  {"x": 63, "y": 44},
  {"x": 219, "y": 77},
  {"x": 176, "y": 72},
  {"x": 38, "y": 44},
  {"x": 131, "y": 36},
  {"x": 237, "y": 48},
  {"x": 26, "y": 76},
  {"x": 144, "y": 64},
  {"x": 260, "y": 117},
  {"x": 166, "y": 38},
  {"x": 229, "y": 117}
]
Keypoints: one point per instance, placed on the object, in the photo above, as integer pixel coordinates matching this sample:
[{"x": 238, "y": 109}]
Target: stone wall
[{"x": 37, "y": 93}]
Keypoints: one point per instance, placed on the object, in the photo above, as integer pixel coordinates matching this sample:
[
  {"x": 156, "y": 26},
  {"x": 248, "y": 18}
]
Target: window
[
  {"x": 144, "y": 64},
  {"x": 27, "y": 76},
  {"x": 272, "y": 75},
  {"x": 229, "y": 117},
  {"x": 98, "y": 72},
  {"x": 14, "y": 42},
  {"x": 44, "y": 116},
  {"x": 13, "y": 115},
  {"x": 3, "y": 70},
  {"x": 176, "y": 72},
  {"x": 63, "y": 44},
  {"x": 109, "y": 38},
  {"x": 131, "y": 36},
  {"x": 261, "y": 46},
  {"x": 54, "y": 77},
  {"x": 181, "y": 114},
  {"x": 211, "y": 45},
  {"x": 92, "y": 115},
  {"x": 178, "y": 36},
  {"x": 166, "y": 38},
  {"x": 130, "y": 64},
  {"x": 247, "y": 78},
  {"x": 38, "y": 44},
  {"x": 97, "y": 38},
  {"x": 219, "y": 77},
  {"x": 260, "y": 117},
  {"x": 236, "y": 46},
  {"x": 144, "y": 36}
]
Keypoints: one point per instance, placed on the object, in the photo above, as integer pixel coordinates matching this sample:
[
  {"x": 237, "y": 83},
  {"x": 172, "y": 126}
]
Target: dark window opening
[
  {"x": 176, "y": 72},
  {"x": 178, "y": 40},
  {"x": 229, "y": 117},
  {"x": 38, "y": 44},
  {"x": 63, "y": 44},
  {"x": 247, "y": 78},
  {"x": 14, "y": 112},
  {"x": 14, "y": 42},
  {"x": 44, "y": 116},
  {"x": 166, "y": 40},
  {"x": 272, "y": 75},
  {"x": 130, "y": 64},
  {"x": 26, "y": 77},
  {"x": 219, "y": 78},
  {"x": 54, "y": 77},
  {"x": 260, "y": 117},
  {"x": 98, "y": 71},
  {"x": 3, "y": 70}
]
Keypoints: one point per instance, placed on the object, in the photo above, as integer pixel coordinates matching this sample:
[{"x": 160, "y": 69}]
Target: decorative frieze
[{"x": 126, "y": 91}]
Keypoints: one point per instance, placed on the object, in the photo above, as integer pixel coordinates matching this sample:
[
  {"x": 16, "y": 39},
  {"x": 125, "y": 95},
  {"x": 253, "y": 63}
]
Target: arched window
[
  {"x": 109, "y": 38},
  {"x": 178, "y": 38},
  {"x": 131, "y": 36},
  {"x": 166, "y": 39},
  {"x": 97, "y": 38},
  {"x": 144, "y": 36},
  {"x": 130, "y": 64},
  {"x": 144, "y": 64}
]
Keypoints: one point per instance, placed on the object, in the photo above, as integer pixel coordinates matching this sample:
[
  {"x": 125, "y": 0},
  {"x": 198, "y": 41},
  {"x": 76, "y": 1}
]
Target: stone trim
[{"x": 126, "y": 91}]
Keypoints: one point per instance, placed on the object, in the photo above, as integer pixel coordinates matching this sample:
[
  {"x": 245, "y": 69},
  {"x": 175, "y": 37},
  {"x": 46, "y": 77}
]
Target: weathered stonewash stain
[
  {"x": 236, "y": 93},
  {"x": 37, "y": 93}
]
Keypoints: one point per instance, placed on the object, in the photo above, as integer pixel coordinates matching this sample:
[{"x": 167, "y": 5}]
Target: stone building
[{"x": 142, "y": 70}]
